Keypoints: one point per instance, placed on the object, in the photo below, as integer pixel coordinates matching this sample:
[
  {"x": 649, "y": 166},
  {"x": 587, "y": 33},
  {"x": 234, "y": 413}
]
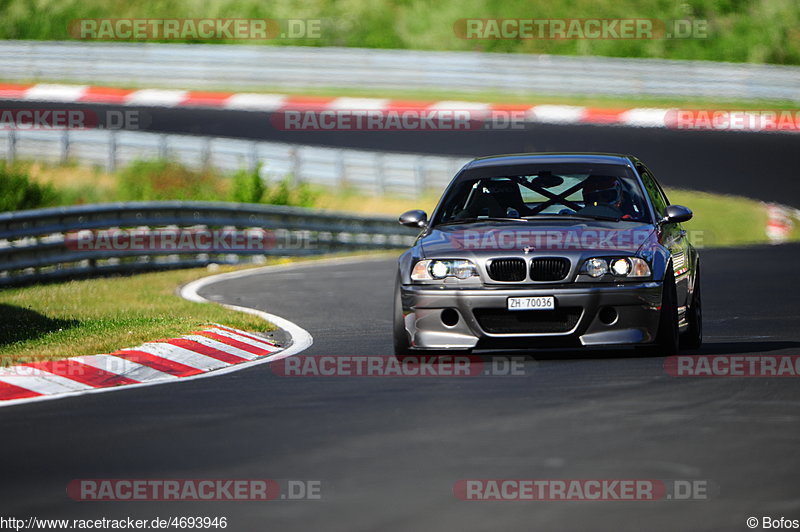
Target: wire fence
[
  {"x": 236, "y": 67},
  {"x": 405, "y": 175}
]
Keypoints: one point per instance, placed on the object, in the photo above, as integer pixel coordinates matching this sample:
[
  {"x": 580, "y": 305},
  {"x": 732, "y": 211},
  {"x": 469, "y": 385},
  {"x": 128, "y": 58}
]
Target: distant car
[{"x": 549, "y": 250}]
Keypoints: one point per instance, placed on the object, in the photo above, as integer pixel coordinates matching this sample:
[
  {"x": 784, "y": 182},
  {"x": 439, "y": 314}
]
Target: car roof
[{"x": 514, "y": 159}]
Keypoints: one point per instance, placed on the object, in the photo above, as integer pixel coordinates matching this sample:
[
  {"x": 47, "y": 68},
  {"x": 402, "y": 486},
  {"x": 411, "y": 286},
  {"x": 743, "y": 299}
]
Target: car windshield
[{"x": 607, "y": 192}]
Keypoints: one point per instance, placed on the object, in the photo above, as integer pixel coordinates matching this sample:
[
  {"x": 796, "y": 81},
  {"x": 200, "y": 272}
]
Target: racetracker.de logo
[
  {"x": 733, "y": 119},
  {"x": 398, "y": 119},
  {"x": 176, "y": 240},
  {"x": 603, "y": 489},
  {"x": 733, "y": 366},
  {"x": 579, "y": 28},
  {"x": 181, "y": 29},
  {"x": 70, "y": 119},
  {"x": 388, "y": 366},
  {"x": 193, "y": 489}
]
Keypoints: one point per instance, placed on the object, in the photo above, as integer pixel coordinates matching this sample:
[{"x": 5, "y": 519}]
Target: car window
[
  {"x": 602, "y": 191},
  {"x": 657, "y": 196}
]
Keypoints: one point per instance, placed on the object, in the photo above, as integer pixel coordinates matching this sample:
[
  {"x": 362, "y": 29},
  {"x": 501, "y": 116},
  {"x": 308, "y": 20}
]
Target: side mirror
[
  {"x": 676, "y": 214},
  {"x": 415, "y": 218}
]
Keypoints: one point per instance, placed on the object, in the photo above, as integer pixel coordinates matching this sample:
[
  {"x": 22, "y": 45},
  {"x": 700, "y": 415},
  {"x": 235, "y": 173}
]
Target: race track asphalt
[
  {"x": 388, "y": 451},
  {"x": 756, "y": 165}
]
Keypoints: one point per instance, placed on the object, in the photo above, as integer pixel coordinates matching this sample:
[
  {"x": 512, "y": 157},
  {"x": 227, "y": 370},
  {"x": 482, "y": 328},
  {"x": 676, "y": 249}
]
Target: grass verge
[{"x": 92, "y": 316}]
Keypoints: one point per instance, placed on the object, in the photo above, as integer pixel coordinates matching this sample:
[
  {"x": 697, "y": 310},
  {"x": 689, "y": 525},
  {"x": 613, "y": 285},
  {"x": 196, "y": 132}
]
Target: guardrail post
[
  {"x": 206, "y": 154},
  {"x": 65, "y": 146},
  {"x": 12, "y": 145},
  {"x": 163, "y": 147},
  {"x": 252, "y": 159},
  {"x": 419, "y": 176},
  {"x": 341, "y": 170},
  {"x": 112, "y": 151},
  {"x": 381, "y": 177},
  {"x": 296, "y": 163}
]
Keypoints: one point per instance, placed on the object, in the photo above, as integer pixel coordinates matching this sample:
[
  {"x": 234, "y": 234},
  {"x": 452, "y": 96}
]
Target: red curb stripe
[
  {"x": 83, "y": 373},
  {"x": 510, "y": 107},
  {"x": 105, "y": 95},
  {"x": 206, "y": 99},
  {"x": 307, "y": 103},
  {"x": 9, "y": 391},
  {"x": 162, "y": 364},
  {"x": 13, "y": 91},
  {"x": 208, "y": 351},
  {"x": 408, "y": 105},
  {"x": 250, "y": 336},
  {"x": 234, "y": 343},
  {"x": 602, "y": 116}
]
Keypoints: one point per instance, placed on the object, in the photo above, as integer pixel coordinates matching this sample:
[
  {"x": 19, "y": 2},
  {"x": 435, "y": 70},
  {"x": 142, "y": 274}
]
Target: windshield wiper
[
  {"x": 487, "y": 219},
  {"x": 579, "y": 217}
]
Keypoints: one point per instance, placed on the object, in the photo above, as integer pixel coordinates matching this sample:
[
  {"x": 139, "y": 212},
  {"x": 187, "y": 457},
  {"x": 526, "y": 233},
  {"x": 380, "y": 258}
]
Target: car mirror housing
[
  {"x": 415, "y": 218},
  {"x": 677, "y": 214}
]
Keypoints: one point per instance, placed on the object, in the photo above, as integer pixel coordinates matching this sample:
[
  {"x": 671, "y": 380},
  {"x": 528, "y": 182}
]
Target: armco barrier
[
  {"x": 40, "y": 244},
  {"x": 379, "y": 173},
  {"x": 238, "y": 67}
]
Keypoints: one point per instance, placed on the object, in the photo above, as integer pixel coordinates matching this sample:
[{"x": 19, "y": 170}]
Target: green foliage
[
  {"x": 247, "y": 187},
  {"x": 160, "y": 180},
  {"x": 18, "y": 192},
  {"x": 291, "y": 193},
  {"x": 738, "y": 30}
]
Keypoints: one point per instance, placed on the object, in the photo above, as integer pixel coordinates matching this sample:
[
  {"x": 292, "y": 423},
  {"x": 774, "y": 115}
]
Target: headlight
[
  {"x": 595, "y": 267},
  {"x": 621, "y": 267},
  {"x": 629, "y": 267},
  {"x": 430, "y": 270}
]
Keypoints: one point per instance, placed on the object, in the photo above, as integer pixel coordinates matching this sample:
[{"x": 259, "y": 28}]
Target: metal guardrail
[
  {"x": 40, "y": 244},
  {"x": 374, "y": 172},
  {"x": 236, "y": 67}
]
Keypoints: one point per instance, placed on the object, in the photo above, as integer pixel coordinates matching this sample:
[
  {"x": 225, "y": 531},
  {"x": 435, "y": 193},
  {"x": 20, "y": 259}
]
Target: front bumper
[{"x": 481, "y": 320}]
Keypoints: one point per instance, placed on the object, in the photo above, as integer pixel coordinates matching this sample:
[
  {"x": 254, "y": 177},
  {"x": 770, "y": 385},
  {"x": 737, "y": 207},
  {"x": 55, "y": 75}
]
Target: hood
[{"x": 543, "y": 238}]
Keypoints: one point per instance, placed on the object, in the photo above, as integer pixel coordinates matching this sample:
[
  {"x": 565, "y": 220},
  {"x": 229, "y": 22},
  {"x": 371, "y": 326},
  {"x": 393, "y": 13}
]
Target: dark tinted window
[
  {"x": 657, "y": 195},
  {"x": 603, "y": 191}
]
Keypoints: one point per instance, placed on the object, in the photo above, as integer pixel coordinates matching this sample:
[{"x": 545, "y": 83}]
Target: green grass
[
  {"x": 760, "y": 31},
  {"x": 721, "y": 220},
  {"x": 87, "y": 317}
]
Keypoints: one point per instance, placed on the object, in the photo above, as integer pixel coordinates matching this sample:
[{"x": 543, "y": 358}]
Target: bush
[
  {"x": 247, "y": 187},
  {"x": 291, "y": 193},
  {"x": 18, "y": 192},
  {"x": 161, "y": 180}
]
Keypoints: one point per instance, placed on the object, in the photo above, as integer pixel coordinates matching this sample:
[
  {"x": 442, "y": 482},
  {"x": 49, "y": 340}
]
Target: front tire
[
  {"x": 692, "y": 338},
  {"x": 402, "y": 346},
  {"x": 667, "y": 341}
]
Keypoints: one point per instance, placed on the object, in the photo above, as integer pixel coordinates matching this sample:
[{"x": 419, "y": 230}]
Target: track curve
[{"x": 388, "y": 451}]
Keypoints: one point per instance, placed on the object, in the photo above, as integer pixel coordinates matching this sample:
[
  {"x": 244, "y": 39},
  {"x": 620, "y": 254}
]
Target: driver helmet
[{"x": 602, "y": 190}]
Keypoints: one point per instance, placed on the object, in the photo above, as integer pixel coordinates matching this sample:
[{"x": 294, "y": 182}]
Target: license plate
[{"x": 532, "y": 303}]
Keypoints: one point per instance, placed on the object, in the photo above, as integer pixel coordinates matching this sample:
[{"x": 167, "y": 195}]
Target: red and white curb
[
  {"x": 780, "y": 222},
  {"x": 555, "y": 114},
  {"x": 213, "y": 351}
]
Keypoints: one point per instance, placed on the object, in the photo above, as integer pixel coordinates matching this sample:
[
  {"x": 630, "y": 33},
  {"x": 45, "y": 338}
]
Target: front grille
[
  {"x": 549, "y": 268},
  {"x": 507, "y": 269},
  {"x": 502, "y": 321}
]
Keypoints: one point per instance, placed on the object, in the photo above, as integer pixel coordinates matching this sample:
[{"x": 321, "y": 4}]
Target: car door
[{"x": 672, "y": 236}]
